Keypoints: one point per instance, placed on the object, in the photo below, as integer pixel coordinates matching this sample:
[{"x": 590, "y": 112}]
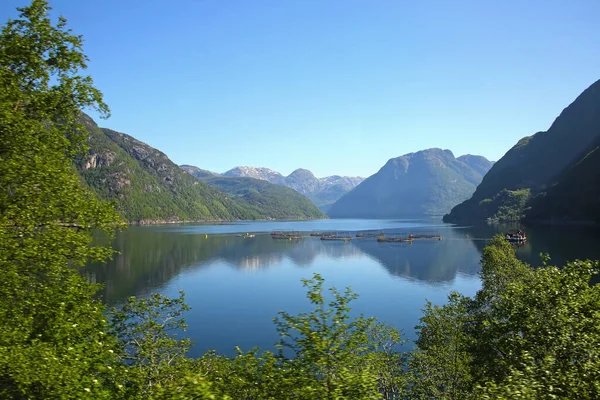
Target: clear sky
[{"x": 334, "y": 86}]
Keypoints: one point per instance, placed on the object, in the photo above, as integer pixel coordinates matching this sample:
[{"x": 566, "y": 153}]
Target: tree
[
  {"x": 146, "y": 330},
  {"x": 544, "y": 334},
  {"x": 440, "y": 362},
  {"x": 52, "y": 332},
  {"x": 331, "y": 353}
]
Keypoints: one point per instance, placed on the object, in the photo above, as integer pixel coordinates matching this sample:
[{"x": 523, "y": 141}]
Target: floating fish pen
[
  {"x": 287, "y": 235},
  {"x": 369, "y": 234},
  {"x": 425, "y": 236},
  {"x": 319, "y": 234},
  {"x": 394, "y": 239},
  {"x": 342, "y": 237}
]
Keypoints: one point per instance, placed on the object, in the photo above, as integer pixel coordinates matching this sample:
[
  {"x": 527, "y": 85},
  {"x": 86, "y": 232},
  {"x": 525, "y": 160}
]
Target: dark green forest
[
  {"x": 528, "y": 333},
  {"x": 551, "y": 176}
]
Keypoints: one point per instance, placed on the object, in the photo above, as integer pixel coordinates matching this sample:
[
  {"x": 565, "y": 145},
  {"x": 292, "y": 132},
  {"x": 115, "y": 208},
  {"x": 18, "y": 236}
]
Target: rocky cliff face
[
  {"x": 146, "y": 186},
  {"x": 427, "y": 182}
]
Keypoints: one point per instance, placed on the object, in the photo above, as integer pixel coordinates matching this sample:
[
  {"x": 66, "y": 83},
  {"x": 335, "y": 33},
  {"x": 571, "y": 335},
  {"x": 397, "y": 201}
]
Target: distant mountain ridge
[
  {"x": 322, "y": 192},
  {"x": 198, "y": 172},
  {"x": 276, "y": 201},
  {"x": 535, "y": 179},
  {"x": 428, "y": 182},
  {"x": 147, "y": 187}
]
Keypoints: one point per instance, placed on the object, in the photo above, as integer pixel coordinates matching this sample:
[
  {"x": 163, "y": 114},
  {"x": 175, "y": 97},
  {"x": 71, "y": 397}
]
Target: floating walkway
[
  {"x": 337, "y": 237},
  {"x": 319, "y": 233},
  {"x": 370, "y": 234},
  {"x": 286, "y": 235},
  {"x": 394, "y": 239},
  {"x": 418, "y": 237}
]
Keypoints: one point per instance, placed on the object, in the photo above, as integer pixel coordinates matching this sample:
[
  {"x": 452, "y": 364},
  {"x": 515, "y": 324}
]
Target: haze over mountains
[
  {"x": 428, "y": 182},
  {"x": 549, "y": 176},
  {"x": 321, "y": 191}
]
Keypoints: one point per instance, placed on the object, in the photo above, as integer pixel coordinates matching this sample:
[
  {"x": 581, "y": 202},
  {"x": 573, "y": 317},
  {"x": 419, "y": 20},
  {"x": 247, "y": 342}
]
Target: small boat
[
  {"x": 246, "y": 235},
  {"x": 518, "y": 236}
]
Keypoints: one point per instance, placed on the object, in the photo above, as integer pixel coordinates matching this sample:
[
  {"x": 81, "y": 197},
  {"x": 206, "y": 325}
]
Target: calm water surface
[{"x": 236, "y": 286}]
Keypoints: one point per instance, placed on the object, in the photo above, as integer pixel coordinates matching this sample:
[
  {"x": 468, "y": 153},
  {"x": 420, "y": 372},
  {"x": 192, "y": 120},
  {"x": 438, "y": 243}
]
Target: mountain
[
  {"x": 263, "y": 197},
  {"x": 198, "y": 172},
  {"x": 146, "y": 186},
  {"x": 303, "y": 181},
  {"x": 428, "y": 182},
  {"x": 331, "y": 188},
  {"x": 479, "y": 163},
  {"x": 257, "y": 173},
  {"x": 322, "y": 192},
  {"x": 541, "y": 167},
  {"x": 576, "y": 194}
]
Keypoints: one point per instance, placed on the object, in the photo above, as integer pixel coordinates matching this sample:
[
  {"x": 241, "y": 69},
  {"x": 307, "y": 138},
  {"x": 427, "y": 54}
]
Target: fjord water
[{"x": 235, "y": 286}]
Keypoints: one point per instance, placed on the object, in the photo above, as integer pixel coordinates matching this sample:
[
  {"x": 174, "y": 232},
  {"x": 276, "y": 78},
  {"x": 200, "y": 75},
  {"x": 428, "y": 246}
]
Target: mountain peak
[
  {"x": 303, "y": 181},
  {"x": 427, "y": 182},
  {"x": 532, "y": 166},
  {"x": 263, "y": 173}
]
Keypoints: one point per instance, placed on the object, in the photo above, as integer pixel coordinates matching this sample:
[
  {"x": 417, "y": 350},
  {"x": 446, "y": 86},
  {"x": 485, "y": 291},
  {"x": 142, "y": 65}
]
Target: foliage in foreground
[{"x": 528, "y": 333}]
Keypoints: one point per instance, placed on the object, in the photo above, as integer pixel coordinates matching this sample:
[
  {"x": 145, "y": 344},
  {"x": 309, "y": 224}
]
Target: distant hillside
[
  {"x": 146, "y": 186},
  {"x": 266, "y": 198},
  {"x": 198, "y": 172},
  {"x": 322, "y": 192},
  {"x": 331, "y": 188},
  {"x": 543, "y": 166},
  {"x": 479, "y": 163},
  {"x": 428, "y": 182},
  {"x": 575, "y": 195}
]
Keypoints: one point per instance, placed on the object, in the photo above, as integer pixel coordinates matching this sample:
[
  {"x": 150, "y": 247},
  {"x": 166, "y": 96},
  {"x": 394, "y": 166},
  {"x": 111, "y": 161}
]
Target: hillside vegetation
[
  {"x": 541, "y": 177},
  {"x": 322, "y": 192},
  {"x": 266, "y": 198},
  {"x": 146, "y": 186}
]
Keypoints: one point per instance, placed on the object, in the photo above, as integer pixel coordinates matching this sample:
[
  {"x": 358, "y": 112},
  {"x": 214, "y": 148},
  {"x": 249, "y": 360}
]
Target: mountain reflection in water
[{"x": 235, "y": 286}]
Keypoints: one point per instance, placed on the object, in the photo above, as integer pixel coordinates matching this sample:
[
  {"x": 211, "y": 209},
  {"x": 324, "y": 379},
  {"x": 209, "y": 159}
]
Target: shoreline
[{"x": 150, "y": 222}]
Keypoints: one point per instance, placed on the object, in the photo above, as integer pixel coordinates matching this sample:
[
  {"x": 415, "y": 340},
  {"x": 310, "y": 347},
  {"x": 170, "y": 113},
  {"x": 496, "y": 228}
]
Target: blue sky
[{"x": 337, "y": 87}]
